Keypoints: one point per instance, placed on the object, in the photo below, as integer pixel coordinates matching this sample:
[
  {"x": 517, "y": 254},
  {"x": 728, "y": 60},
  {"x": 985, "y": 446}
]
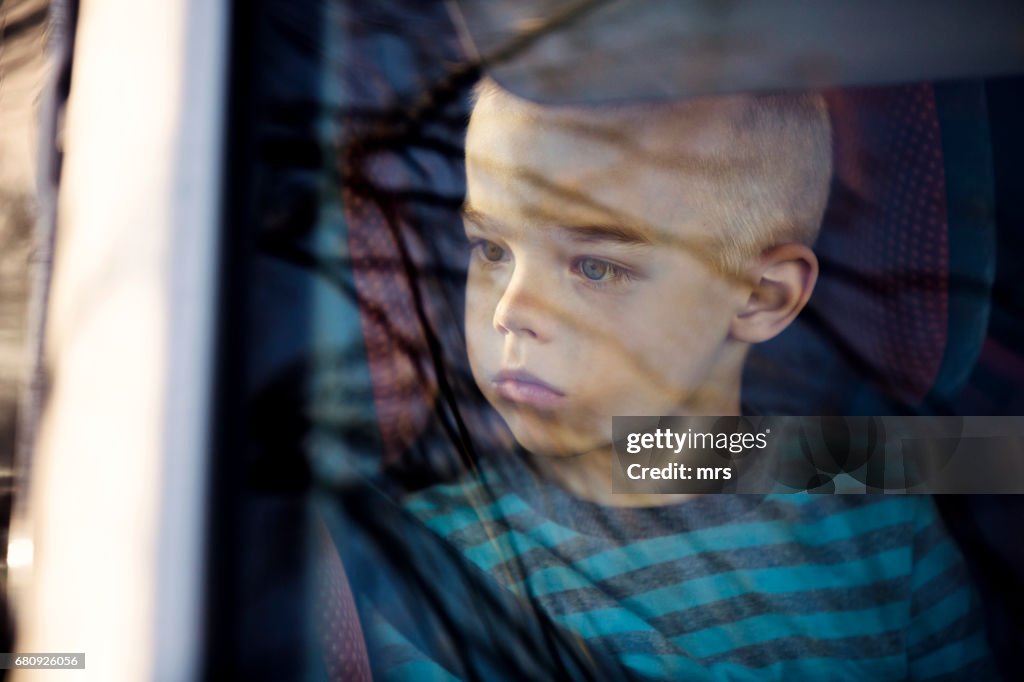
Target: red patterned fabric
[
  {"x": 344, "y": 648},
  {"x": 403, "y": 375},
  {"x": 888, "y": 152}
]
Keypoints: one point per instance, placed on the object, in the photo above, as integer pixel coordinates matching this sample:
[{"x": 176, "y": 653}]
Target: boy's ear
[{"x": 783, "y": 280}]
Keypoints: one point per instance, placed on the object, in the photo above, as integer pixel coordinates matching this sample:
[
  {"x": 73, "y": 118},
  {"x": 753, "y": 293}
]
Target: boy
[{"x": 624, "y": 258}]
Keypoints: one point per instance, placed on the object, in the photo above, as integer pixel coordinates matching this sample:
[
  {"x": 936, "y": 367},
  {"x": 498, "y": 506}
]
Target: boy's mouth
[{"x": 524, "y": 388}]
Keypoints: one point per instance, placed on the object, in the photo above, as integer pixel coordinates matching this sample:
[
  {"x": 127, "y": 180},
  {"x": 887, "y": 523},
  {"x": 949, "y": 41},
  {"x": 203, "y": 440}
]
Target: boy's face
[{"x": 587, "y": 293}]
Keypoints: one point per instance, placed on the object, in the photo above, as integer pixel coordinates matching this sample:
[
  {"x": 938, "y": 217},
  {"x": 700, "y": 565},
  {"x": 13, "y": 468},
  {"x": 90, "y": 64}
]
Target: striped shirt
[{"x": 719, "y": 587}]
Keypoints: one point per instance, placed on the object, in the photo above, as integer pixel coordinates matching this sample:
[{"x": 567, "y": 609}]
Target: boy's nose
[{"x": 523, "y": 309}]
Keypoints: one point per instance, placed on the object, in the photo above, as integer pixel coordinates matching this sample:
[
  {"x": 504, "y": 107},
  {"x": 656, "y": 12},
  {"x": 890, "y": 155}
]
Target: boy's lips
[{"x": 524, "y": 388}]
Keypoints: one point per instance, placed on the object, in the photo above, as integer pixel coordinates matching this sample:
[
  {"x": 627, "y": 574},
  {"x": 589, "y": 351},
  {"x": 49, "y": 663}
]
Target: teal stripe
[
  {"x": 643, "y": 553},
  {"x": 464, "y": 517},
  {"x": 547, "y": 534},
  {"x": 511, "y": 544},
  {"x": 937, "y": 561},
  {"x": 423, "y": 669},
  {"x": 764, "y": 628},
  {"x": 603, "y": 622},
  {"x": 774, "y": 580},
  {"x": 875, "y": 669},
  {"x": 940, "y": 615},
  {"x": 508, "y": 546},
  {"x": 951, "y": 658},
  {"x": 428, "y": 500}
]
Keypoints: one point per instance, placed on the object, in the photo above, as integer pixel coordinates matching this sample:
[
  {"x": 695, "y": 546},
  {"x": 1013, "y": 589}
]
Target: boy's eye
[
  {"x": 492, "y": 251},
  {"x": 599, "y": 273},
  {"x": 596, "y": 270},
  {"x": 488, "y": 250}
]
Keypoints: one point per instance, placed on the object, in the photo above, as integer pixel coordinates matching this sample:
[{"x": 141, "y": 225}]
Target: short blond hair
[{"x": 780, "y": 198}]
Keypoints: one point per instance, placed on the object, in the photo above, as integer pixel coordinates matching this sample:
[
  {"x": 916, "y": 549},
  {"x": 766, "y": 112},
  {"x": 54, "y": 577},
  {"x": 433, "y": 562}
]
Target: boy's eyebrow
[
  {"x": 621, "y": 234},
  {"x": 477, "y": 218}
]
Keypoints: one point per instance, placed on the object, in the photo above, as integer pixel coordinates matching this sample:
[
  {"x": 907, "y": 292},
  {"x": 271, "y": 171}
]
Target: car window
[{"x": 380, "y": 504}]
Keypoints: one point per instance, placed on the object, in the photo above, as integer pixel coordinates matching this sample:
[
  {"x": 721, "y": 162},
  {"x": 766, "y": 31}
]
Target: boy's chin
[{"x": 554, "y": 442}]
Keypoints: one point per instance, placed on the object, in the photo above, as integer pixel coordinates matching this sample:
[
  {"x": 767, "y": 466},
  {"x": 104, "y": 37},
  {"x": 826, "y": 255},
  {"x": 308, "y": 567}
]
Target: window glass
[{"x": 449, "y": 276}]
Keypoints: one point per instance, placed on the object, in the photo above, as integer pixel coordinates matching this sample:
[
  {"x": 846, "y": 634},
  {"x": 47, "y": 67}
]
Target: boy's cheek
[
  {"x": 483, "y": 348},
  {"x": 479, "y": 313},
  {"x": 479, "y": 323},
  {"x": 482, "y": 293}
]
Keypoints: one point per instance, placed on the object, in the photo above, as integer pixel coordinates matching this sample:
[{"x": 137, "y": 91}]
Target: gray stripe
[
  {"x": 588, "y": 545},
  {"x": 765, "y": 653},
  {"x": 790, "y": 648},
  {"x": 687, "y": 621},
  {"x": 637, "y": 642},
  {"x": 952, "y": 580},
  {"x": 950, "y": 636},
  {"x": 560, "y": 555},
  {"x": 724, "y": 612},
  {"x": 677, "y": 572}
]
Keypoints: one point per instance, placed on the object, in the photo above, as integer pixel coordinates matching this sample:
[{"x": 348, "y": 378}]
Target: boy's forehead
[
  {"x": 648, "y": 169},
  {"x": 639, "y": 132}
]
